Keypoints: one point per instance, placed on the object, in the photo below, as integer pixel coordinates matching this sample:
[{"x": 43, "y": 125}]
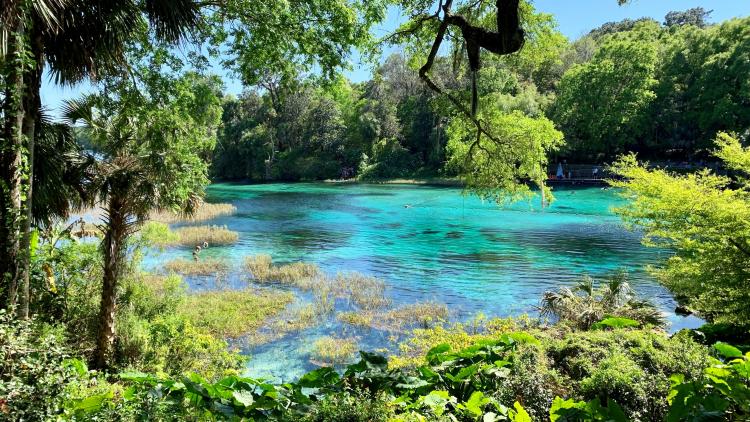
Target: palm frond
[{"x": 62, "y": 173}]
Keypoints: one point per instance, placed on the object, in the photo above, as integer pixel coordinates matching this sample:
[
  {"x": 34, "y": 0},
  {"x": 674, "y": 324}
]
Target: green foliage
[
  {"x": 630, "y": 367},
  {"x": 497, "y": 167},
  {"x": 158, "y": 234},
  {"x": 663, "y": 91},
  {"x": 356, "y": 406},
  {"x": 571, "y": 410},
  {"x": 722, "y": 392},
  {"x": 233, "y": 313},
  {"x": 34, "y": 369},
  {"x": 611, "y": 305},
  {"x": 623, "y": 72},
  {"x": 704, "y": 218},
  {"x": 389, "y": 160}
]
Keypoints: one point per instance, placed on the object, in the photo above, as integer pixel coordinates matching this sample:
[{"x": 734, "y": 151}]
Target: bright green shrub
[
  {"x": 354, "y": 406},
  {"x": 631, "y": 366},
  {"x": 619, "y": 378}
]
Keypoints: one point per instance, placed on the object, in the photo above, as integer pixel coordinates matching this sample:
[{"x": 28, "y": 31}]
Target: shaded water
[{"x": 428, "y": 243}]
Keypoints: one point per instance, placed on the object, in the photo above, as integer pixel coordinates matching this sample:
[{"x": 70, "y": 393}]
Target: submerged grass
[
  {"x": 422, "y": 315},
  {"x": 366, "y": 292},
  {"x": 214, "y": 235},
  {"x": 204, "y": 212},
  {"x": 299, "y": 274},
  {"x": 330, "y": 351},
  {"x": 234, "y": 313},
  {"x": 202, "y": 267}
]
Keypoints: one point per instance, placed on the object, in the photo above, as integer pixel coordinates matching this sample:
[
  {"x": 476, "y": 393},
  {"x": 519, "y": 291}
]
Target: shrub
[
  {"x": 158, "y": 234},
  {"x": 457, "y": 335},
  {"x": 389, "y": 159},
  {"x": 356, "y": 406},
  {"x": 34, "y": 369},
  {"x": 632, "y": 365},
  {"x": 214, "y": 235},
  {"x": 154, "y": 336}
]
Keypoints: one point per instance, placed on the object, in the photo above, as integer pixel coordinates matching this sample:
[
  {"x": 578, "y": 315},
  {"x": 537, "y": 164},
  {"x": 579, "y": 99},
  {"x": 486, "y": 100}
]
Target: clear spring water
[{"x": 429, "y": 244}]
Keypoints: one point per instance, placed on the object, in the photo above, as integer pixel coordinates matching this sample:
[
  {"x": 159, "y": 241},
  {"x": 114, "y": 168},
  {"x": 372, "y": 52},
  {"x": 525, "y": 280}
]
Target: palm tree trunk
[
  {"x": 12, "y": 170},
  {"x": 113, "y": 249},
  {"x": 33, "y": 105}
]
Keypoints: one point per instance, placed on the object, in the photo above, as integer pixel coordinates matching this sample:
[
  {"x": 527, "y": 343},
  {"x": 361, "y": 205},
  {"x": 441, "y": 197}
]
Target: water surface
[{"x": 428, "y": 243}]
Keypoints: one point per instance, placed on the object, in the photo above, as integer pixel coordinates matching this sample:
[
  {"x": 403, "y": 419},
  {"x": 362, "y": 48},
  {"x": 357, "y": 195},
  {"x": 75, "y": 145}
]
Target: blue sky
[{"x": 575, "y": 18}]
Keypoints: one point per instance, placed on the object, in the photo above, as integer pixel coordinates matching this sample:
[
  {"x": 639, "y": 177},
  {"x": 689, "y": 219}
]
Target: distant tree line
[{"x": 662, "y": 90}]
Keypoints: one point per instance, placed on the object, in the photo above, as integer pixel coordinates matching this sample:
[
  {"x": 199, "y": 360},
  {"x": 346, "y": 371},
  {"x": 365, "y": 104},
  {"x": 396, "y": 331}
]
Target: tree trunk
[
  {"x": 32, "y": 106},
  {"x": 12, "y": 170},
  {"x": 113, "y": 249}
]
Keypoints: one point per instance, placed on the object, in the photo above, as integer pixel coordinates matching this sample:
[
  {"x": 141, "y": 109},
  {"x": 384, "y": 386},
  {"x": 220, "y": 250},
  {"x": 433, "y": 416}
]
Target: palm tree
[
  {"x": 149, "y": 158},
  {"x": 585, "y": 304},
  {"x": 76, "y": 39}
]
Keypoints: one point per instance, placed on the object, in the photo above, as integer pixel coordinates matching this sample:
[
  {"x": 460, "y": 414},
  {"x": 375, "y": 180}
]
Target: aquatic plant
[
  {"x": 365, "y": 291},
  {"x": 295, "y": 318},
  {"x": 214, "y": 235},
  {"x": 330, "y": 351},
  {"x": 203, "y": 212},
  {"x": 202, "y": 267},
  {"x": 298, "y": 274},
  {"x": 422, "y": 315},
  {"x": 233, "y": 313}
]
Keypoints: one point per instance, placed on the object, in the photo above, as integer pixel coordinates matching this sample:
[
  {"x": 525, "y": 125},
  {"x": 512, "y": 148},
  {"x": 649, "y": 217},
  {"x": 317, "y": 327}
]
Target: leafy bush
[
  {"x": 301, "y": 165},
  {"x": 722, "y": 391},
  {"x": 630, "y": 366},
  {"x": 34, "y": 369},
  {"x": 356, "y": 406}
]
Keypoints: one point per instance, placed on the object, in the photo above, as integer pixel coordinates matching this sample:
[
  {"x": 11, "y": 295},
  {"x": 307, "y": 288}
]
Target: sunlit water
[{"x": 429, "y": 244}]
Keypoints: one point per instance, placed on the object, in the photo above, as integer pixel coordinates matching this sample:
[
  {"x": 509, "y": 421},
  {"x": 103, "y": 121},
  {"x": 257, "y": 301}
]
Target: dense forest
[
  {"x": 662, "y": 90},
  {"x": 133, "y": 288}
]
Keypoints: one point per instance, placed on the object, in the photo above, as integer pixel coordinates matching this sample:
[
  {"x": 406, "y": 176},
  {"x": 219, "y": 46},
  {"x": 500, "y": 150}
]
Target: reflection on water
[{"x": 428, "y": 243}]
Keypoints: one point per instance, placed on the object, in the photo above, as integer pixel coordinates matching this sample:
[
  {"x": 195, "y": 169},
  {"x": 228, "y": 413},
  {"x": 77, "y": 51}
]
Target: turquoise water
[{"x": 428, "y": 243}]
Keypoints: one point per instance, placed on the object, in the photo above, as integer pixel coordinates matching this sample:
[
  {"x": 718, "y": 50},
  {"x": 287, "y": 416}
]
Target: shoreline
[{"x": 452, "y": 182}]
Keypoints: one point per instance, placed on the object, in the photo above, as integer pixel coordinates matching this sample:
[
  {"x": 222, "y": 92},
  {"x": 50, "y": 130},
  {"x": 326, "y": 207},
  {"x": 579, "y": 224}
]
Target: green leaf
[
  {"x": 319, "y": 378},
  {"x": 728, "y": 351},
  {"x": 244, "y": 398},
  {"x": 437, "y": 350},
  {"x": 521, "y": 414},
  {"x": 93, "y": 403}
]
